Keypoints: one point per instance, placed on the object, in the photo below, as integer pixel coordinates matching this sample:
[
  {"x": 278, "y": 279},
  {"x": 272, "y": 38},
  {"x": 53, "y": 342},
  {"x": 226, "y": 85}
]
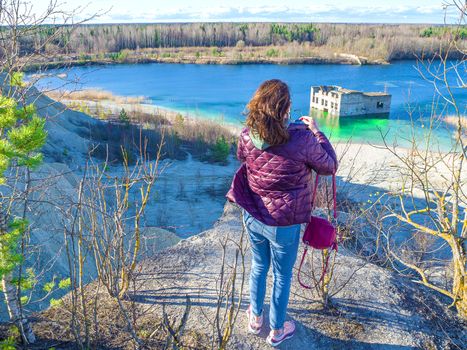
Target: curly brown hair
[{"x": 267, "y": 112}]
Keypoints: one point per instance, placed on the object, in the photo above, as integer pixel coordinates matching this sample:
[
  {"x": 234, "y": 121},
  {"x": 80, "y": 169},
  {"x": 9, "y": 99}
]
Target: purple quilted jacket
[{"x": 275, "y": 185}]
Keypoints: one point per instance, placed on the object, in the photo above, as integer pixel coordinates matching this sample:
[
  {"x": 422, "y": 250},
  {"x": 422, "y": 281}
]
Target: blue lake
[{"x": 221, "y": 92}]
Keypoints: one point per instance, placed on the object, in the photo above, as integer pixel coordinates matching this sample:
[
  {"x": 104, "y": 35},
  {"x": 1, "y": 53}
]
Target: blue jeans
[{"x": 276, "y": 245}]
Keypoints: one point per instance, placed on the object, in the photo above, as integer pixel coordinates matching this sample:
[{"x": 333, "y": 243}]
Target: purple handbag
[{"x": 320, "y": 233}]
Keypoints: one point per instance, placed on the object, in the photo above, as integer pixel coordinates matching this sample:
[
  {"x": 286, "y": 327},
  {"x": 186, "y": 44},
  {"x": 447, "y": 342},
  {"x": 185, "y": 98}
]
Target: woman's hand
[{"x": 310, "y": 123}]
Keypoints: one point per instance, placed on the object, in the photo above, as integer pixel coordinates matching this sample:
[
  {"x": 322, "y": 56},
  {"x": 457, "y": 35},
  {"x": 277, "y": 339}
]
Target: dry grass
[
  {"x": 93, "y": 95},
  {"x": 206, "y": 130},
  {"x": 108, "y": 328}
]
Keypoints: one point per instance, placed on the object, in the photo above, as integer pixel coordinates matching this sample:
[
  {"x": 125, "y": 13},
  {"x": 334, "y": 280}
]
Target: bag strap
[
  {"x": 334, "y": 194},
  {"x": 323, "y": 272},
  {"x": 300, "y": 269}
]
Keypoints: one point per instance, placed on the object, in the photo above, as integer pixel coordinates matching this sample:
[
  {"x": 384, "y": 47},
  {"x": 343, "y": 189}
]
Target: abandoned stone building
[{"x": 338, "y": 101}]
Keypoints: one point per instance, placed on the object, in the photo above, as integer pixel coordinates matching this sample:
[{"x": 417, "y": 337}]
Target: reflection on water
[
  {"x": 344, "y": 128},
  {"x": 372, "y": 129}
]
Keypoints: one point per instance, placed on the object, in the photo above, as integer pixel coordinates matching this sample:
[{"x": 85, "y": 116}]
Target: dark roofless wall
[{"x": 359, "y": 104}]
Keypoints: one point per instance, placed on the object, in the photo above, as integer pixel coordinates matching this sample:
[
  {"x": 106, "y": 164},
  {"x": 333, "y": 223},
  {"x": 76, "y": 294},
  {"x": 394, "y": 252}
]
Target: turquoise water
[{"x": 221, "y": 92}]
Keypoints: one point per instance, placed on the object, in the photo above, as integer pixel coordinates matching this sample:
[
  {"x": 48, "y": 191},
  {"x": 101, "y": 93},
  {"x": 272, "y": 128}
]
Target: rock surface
[{"x": 373, "y": 308}]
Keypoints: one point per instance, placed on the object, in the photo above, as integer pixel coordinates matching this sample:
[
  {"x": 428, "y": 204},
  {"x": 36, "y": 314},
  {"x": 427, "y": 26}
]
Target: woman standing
[{"x": 273, "y": 186}]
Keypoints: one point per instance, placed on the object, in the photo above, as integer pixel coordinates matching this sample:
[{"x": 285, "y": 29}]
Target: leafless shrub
[
  {"x": 175, "y": 333},
  {"x": 230, "y": 292},
  {"x": 106, "y": 226},
  {"x": 324, "y": 271},
  {"x": 427, "y": 213}
]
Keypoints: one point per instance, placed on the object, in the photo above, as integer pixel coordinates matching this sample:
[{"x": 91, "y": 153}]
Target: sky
[{"x": 356, "y": 11}]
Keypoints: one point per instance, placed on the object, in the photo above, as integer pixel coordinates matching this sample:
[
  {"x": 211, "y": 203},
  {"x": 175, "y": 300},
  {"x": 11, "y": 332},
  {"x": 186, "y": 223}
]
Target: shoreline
[
  {"x": 113, "y": 104},
  {"x": 294, "y": 61},
  {"x": 135, "y": 58}
]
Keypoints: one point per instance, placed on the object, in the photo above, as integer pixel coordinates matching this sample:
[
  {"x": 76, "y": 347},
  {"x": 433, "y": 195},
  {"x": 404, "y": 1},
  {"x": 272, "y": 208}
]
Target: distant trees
[
  {"x": 295, "y": 32},
  {"x": 389, "y": 41},
  {"x": 440, "y": 31}
]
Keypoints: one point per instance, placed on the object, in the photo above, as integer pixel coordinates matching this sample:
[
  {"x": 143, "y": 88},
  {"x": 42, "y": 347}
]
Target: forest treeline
[{"x": 385, "y": 41}]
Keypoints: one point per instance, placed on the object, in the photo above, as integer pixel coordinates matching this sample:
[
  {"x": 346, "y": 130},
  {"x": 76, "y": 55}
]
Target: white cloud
[
  {"x": 319, "y": 12},
  {"x": 429, "y": 9}
]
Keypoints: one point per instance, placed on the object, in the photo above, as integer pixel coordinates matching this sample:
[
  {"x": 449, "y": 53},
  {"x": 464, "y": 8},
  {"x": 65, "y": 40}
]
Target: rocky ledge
[{"x": 371, "y": 307}]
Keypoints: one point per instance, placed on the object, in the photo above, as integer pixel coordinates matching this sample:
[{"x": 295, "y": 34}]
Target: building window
[
  {"x": 332, "y": 104},
  {"x": 326, "y": 103},
  {"x": 379, "y": 104}
]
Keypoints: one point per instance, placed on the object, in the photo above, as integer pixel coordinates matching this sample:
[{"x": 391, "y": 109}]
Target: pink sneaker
[
  {"x": 287, "y": 332},
  {"x": 254, "y": 325}
]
